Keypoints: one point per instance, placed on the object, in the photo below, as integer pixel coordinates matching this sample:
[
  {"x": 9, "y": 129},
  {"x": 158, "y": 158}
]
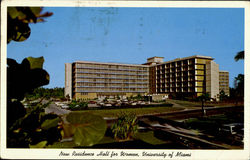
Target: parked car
[{"x": 65, "y": 106}]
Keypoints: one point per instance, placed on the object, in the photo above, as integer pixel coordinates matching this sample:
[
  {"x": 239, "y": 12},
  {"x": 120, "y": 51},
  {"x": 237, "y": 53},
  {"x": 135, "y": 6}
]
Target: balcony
[
  {"x": 128, "y": 78},
  {"x": 115, "y": 69},
  {"x": 106, "y": 73}
]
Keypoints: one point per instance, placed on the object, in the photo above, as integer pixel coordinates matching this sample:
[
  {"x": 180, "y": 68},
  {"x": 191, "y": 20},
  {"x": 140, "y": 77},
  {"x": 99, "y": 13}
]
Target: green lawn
[
  {"x": 137, "y": 111},
  {"x": 188, "y": 103},
  {"x": 194, "y": 105}
]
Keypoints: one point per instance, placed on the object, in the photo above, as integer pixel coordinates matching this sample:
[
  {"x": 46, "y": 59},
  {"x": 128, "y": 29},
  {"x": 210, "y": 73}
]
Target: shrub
[
  {"x": 77, "y": 105},
  {"x": 125, "y": 127}
]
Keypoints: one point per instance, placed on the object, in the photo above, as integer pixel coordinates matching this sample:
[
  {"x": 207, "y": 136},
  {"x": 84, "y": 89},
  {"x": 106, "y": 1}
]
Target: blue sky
[{"x": 131, "y": 35}]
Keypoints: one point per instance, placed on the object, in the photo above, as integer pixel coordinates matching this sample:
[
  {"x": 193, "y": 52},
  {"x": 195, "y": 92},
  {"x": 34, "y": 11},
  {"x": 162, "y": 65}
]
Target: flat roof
[
  {"x": 145, "y": 64},
  {"x": 223, "y": 71},
  {"x": 111, "y": 63},
  {"x": 190, "y": 57}
]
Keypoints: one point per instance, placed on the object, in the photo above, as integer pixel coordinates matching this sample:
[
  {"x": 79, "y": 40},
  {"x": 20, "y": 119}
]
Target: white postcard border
[{"x": 54, "y": 153}]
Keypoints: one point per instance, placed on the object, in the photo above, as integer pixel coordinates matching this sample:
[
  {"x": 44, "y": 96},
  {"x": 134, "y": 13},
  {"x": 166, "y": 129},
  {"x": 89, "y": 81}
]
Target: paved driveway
[{"x": 53, "y": 108}]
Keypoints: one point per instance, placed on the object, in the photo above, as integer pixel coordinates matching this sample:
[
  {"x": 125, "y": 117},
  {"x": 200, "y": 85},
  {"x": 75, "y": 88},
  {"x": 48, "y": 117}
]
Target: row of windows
[
  {"x": 169, "y": 70},
  {"x": 197, "y": 65},
  {"x": 199, "y": 78},
  {"x": 109, "y": 66},
  {"x": 110, "y": 85},
  {"x": 102, "y": 80},
  {"x": 189, "y": 73},
  {"x": 110, "y": 76},
  {"x": 176, "y": 75},
  {"x": 108, "y": 71},
  {"x": 180, "y": 84},
  {"x": 178, "y": 63},
  {"x": 180, "y": 73},
  {"x": 196, "y": 89},
  {"x": 175, "y": 90},
  {"x": 111, "y": 90}
]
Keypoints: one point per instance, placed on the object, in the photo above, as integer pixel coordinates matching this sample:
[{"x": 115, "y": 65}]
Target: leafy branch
[
  {"x": 31, "y": 127},
  {"x": 19, "y": 19}
]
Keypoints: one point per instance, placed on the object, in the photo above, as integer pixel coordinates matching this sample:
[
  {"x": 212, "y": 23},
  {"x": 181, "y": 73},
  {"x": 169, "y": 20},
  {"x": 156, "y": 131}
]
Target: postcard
[{"x": 124, "y": 80}]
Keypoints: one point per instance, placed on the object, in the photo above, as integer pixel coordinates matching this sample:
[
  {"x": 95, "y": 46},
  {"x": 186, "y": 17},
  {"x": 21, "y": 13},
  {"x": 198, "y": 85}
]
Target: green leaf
[
  {"x": 35, "y": 62},
  {"x": 41, "y": 144},
  {"x": 148, "y": 137},
  {"x": 21, "y": 32},
  {"x": 68, "y": 130},
  {"x": 49, "y": 123},
  {"x": 89, "y": 128},
  {"x": 36, "y": 10},
  {"x": 22, "y": 36},
  {"x": 12, "y": 11}
]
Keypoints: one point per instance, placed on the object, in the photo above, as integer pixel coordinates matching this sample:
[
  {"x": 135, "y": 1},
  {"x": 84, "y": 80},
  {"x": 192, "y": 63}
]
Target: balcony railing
[
  {"x": 110, "y": 91},
  {"x": 116, "y": 69},
  {"x": 112, "y": 78},
  {"x": 79, "y": 72},
  {"x": 109, "y": 87},
  {"x": 112, "y": 82}
]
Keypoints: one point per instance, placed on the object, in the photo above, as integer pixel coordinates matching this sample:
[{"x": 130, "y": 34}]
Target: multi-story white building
[
  {"x": 89, "y": 80},
  {"x": 190, "y": 77}
]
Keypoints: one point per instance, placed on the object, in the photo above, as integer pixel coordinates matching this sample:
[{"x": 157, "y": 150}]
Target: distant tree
[
  {"x": 138, "y": 97},
  {"x": 223, "y": 95},
  {"x": 46, "y": 93},
  {"x": 118, "y": 97},
  {"x": 239, "y": 80},
  {"x": 239, "y": 56},
  {"x": 67, "y": 97},
  {"x": 239, "y": 86}
]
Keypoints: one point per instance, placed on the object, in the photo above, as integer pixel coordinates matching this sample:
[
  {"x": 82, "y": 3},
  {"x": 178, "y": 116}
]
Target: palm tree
[
  {"x": 240, "y": 84},
  {"x": 240, "y": 55},
  {"x": 239, "y": 80}
]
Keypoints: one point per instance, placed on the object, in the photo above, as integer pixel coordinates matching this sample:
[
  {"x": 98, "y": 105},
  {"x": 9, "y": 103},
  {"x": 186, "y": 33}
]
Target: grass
[
  {"x": 188, "y": 103},
  {"x": 213, "y": 122},
  {"x": 137, "y": 111},
  {"x": 193, "y": 104}
]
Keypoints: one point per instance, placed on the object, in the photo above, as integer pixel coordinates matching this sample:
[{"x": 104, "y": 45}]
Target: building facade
[
  {"x": 92, "y": 80},
  {"x": 187, "y": 77},
  {"x": 224, "y": 82}
]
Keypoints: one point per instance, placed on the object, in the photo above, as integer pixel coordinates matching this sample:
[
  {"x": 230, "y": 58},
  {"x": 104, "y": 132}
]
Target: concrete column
[{"x": 68, "y": 80}]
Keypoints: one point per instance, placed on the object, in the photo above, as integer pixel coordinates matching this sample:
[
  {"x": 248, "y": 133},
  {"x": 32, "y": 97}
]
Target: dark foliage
[
  {"x": 21, "y": 78},
  {"x": 239, "y": 55},
  {"x": 28, "y": 131},
  {"x": 18, "y": 19},
  {"x": 46, "y": 93}
]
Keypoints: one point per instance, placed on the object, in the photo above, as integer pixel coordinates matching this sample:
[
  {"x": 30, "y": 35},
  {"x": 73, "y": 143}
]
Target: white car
[{"x": 65, "y": 106}]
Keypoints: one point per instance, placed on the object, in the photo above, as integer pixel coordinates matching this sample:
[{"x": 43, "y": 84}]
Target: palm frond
[{"x": 239, "y": 55}]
